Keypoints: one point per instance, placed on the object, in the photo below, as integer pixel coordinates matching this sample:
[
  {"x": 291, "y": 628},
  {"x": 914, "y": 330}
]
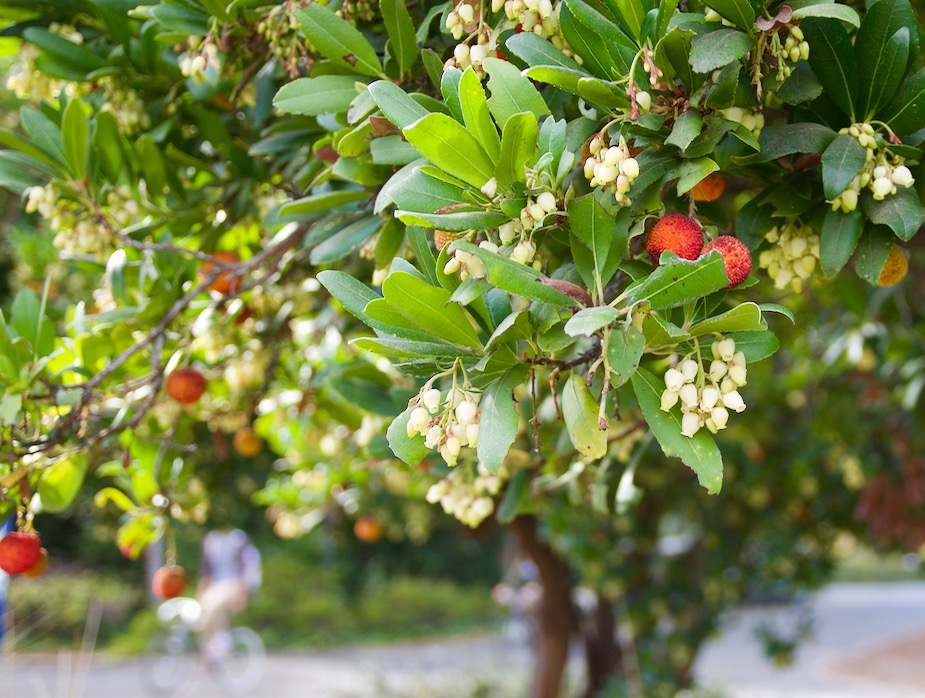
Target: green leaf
[
  {"x": 833, "y": 61},
  {"x": 595, "y": 229},
  {"x": 678, "y": 281},
  {"x": 449, "y": 146},
  {"x": 686, "y": 128},
  {"x": 511, "y": 92},
  {"x": 756, "y": 345},
  {"x": 618, "y": 49},
  {"x": 624, "y": 349},
  {"x": 739, "y": 12},
  {"x": 107, "y": 146},
  {"x": 429, "y": 308},
  {"x": 75, "y": 134},
  {"x": 588, "y": 45},
  {"x": 842, "y": 161},
  {"x": 902, "y": 212},
  {"x": 346, "y": 240},
  {"x": 802, "y": 86},
  {"x": 874, "y": 247},
  {"x": 691, "y": 172},
  {"x": 723, "y": 93},
  {"x": 409, "y": 449},
  {"x": 786, "y": 139},
  {"x": 882, "y": 62},
  {"x": 516, "y": 495},
  {"x": 44, "y": 134},
  {"x": 10, "y": 409},
  {"x": 27, "y": 319},
  {"x": 181, "y": 19},
  {"x": 395, "y": 104},
  {"x": 838, "y": 238},
  {"x": 317, "y": 203},
  {"x": 744, "y": 317},
  {"x": 906, "y": 113},
  {"x": 536, "y": 51},
  {"x": 151, "y": 163},
  {"x": 411, "y": 188},
  {"x": 518, "y": 148},
  {"x": 718, "y": 48},
  {"x": 835, "y": 11},
  {"x": 512, "y": 277},
  {"x": 336, "y": 39},
  {"x": 111, "y": 494},
  {"x": 699, "y": 453},
  {"x": 396, "y": 348},
  {"x": 631, "y": 14},
  {"x": 64, "y": 50},
  {"x": 675, "y": 46},
  {"x": 587, "y": 321},
  {"x": 580, "y": 411},
  {"x": 325, "y": 94},
  {"x": 498, "y": 421},
  {"x": 403, "y": 44},
  {"x": 392, "y": 150},
  {"x": 779, "y": 309},
  {"x": 474, "y": 106},
  {"x": 457, "y": 221},
  {"x": 61, "y": 482},
  {"x": 351, "y": 293}
]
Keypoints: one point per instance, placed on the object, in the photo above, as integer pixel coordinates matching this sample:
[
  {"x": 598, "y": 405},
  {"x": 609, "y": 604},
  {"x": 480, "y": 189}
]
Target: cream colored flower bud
[
  {"x": 496, "y": 5},
  {"x": 590, "y": 164},
  {"x": 849, "y": 200},
  {"x": 461, "y": 52},
  {"x": 475, "y": 267},
  {"x": 643, "y": 101},
  {"x": 488, "y": 245},
  {"x": 734, "y": 401},
  {"x": 718, "y": 370},
  {"x": 738, "y": 375},
  {"x": 466, "y": 12},
  {"x": 623, "y": 184},
  {"x": 431, "y": 400},
  {"x": 902, "y": 176},
  {"x": 465, "y": 412},
  {"x": 472, "y": 434},
  {"x": 690, "y": 424},
  {"x": 523, "y": 252},
  {"x": 478, "y": 53},
  {"x": 797, "y": 33},
  {"x": 452, "y": 266},
  {"x": 881, "y": 188},
  {"x": 674, "y": 379},
  {"x": 547, "y": 201},
  {"x": 507, "y": 233},
  {"x": 669, "y": 399},
  {"x": 450, "y": 450},
  {"x": 727, "y": 349},
  {"x": 708, "y": 398},
  {"x": 418, "y": 421},
  {"x": 690, "y": 369},
  {"x": 688, "y": 395},
  {"x": 720, "y": 417},
  {"x": 630, "y": 168},
  {"x": 434, "y": 435}
]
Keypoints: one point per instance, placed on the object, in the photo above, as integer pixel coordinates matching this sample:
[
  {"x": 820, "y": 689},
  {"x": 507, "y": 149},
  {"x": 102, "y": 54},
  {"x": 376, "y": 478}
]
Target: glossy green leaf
[
  {"x": 44, "y": 134},
  {"x": 429, "y": 308},
  {"x": 873, "y": 248},
  {"x": 516, "y": 496},
  {"x": 338, "y": 40},
  {"x": 906, "y": 113},
  {"x": 902, "y": 212},
  {"x": 595, "y": 229},
  {"x": 833, "y": 61},
  {"x": 474, "y": 106},
  {"x": 691, "y": 172},
  {"x": 29, "y": 322},
  {"x": 61, "y": 482},
  {"x": 699, "y": 453},
  {"x": 457, "y": 221},
  {"x": 882, "y": 61},
  {"x": 403, "y": 45},
  {"x": 62, "y": 49},
  {"x": 409, "y": 449},
  {"x": 744, "y": 317},
  {"x": 346, "y": 240},
  {"x": 449, "y": 146},
  {"x": 802, "y": 86},
  {"x": 829, "y": 9},
  {"x": 511, "y": 92},
  {"x": 686, "y": 128},
  {"x": 317, "y": 203},
  {"x": 325, "y": 94},
  {"x": 75, "y": 134},
  {"x": 678, "y": 281},
  {"x": 624, "y": 349},
  {"x": 181, "y": 19},
  {"x": 518, "y": 149},
  {"x": 838, "y": 238},
  {"x": 756, "y": 345},
  {"x": 842, "y": 161},
  {"x": 536, "y": 51},
  {"x": 587, "y": 321},
  {"x": 499, "y": 421},
  {"x": 395, "y": 104},
  {"x": 152, "y": 164},
  {"x": 580, "y": 411},
  {"x": 716, "y": 49},
  {"x": 412, "y": 189},
  {"x": 787, "y": 139},
  {"x": 739, "y": 12}
]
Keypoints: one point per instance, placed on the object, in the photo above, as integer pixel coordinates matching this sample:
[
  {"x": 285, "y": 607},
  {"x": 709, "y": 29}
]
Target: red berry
[
  {"x": 186, "y": 385},
  {"x": 676, "y": 233},
  {"x": 736, "y": 256},
  {"x": 168, "y": 582},
  {"x": 19, "y": 552}
]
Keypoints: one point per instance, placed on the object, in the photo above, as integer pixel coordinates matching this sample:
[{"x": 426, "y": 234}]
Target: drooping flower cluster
[
  {"x": 280, "y": 28},
  {"x": 464, "y": 20},
  {"x": 611, "y": 167},
  {"x": 881, "y": 174},
  {"x": 707, "y": 396},
  {"x": 540, "y": 17},
  {"x": 359, "y": 10},
  {"x": 125, "y": 104},
  {"x": 201, "y": 58},
  {"x": 784, "y": 55},
  {"x": 793, "y": 254},
  {"x": 27, "y": 82},
  {"x": 447, "y": 422},
  {"x": 752, "y": 119},
  {"x": 468, "y": 498}
]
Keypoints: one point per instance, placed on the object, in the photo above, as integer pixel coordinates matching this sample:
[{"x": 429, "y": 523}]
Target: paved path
[{"x": 853, "y": 626}]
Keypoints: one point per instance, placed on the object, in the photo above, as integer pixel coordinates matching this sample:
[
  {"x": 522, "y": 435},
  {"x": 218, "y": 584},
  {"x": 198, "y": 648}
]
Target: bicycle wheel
[
  {"x": 171, "y": 659},
  {"x": 241, "y": 669}
]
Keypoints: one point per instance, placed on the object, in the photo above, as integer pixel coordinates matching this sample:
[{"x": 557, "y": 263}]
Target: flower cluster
[
  {"x": 881, "y": 173},
  {"x": 27, "y": 82},
  {"x": 200, "y": 58},
  {"x": 538, "y": 16},
  {"x": 468, "y": 498},
  {"x": 793, "y": 254},
  {"x": 125, "y": 104},
  {"x": 752, "y": 119},
  {"x": 446, "y": 422},
  {"x": 787, "y": 53},
  {"x": 280, "y": 28},
  {"x": 462, "y": 20},
  {"x": 359, "y": 10},
  {"x": 707, "y": 397},
  {"x": 611, "y": 167}
]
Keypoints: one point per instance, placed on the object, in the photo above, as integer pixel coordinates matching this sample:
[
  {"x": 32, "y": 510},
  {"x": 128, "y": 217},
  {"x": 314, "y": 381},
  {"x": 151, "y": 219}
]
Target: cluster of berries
[
  {"x": 446, "y": 422},
  {"x": 200, "y": 58},
  {"x": 881, "y": 174},
  {"x": 683, "y": 236},
  {"x": 611, "y": 167},
  {"x": 784, "y": 55},
  {"x": 469, "y": 499},
  {"x": 540, "y": 17},
  {"x": 793, "y": 254},
  {"x": 706, "y": 404}
]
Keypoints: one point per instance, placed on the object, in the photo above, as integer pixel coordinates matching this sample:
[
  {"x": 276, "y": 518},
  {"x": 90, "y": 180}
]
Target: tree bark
[
  {"x": 556, "y": 619},
  {"x": 601, "y": 650}
]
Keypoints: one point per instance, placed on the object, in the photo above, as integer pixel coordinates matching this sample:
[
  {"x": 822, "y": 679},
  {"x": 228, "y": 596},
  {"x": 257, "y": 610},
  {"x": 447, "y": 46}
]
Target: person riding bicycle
[{"x": 229, "y": 571}]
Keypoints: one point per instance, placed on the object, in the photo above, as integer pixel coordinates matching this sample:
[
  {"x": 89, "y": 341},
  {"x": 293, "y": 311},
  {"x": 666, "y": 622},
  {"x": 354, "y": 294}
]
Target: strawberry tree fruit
[
  {"x": 736, "y": 256},
  {"x": 40, "y": 566},
  {"x": 19, "y": 552},
  {"x": 168, "y": 582},
  {"x": 676, "y": 233},
  {"x": 186, "y": 385}
]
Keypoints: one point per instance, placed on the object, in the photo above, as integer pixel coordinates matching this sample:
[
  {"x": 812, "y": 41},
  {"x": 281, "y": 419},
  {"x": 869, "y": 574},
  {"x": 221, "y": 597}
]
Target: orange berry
[
  {"x": 247, "y": 443},
  {"x": 224, "y": 283},
  {"x": 736, "y": 256},
  {"x": 895, "y": 268},
  {"x": 38, "y": 569},
  {"x": 168, "y": 582},
  {"x": 710, "y": 188},
  {"x": 676, "y": 233},
  {"x": 442, "y": 238},
  {"x": 367, "y": 529},
  {"x": 186, "y": 385}
]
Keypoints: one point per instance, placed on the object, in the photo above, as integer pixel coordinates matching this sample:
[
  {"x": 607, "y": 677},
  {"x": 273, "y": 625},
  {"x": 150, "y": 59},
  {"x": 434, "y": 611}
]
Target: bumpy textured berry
[
  {"x": 676, "y": 233},
  {"x": 895, "y": 268},
  {"x": 710, "y": 188},
  {"x": 736, "y": 256},
  {"x": 442, "y": 238},
  {"x": 186, "y": 385}
]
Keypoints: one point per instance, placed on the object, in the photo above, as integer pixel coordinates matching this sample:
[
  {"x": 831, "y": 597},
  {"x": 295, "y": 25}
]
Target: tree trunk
[
  {"x": 556, "y": 621},
  {"x": 601, "y": 650}
]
